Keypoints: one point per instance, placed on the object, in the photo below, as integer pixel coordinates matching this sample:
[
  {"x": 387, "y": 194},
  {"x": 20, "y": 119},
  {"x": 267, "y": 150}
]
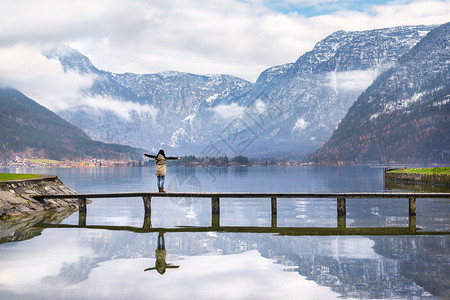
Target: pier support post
[
  {"x": 215, "y": 221},
  {"x": 82, "y": 204},
  {"x": 82, "y": 211},
  {"x": 215, "y": 205},
  {"x": 147, "y": 204},
  {"x": 341, "y": 208},
  {"x": 148, "y": 211},
  {"x": 341, "y": 222},
  {"x": 412, "y": 223},
  {"x": 273, "y": 201},
  {"x": 412, "y": 206},
  {"x": 215, "y": 210}
]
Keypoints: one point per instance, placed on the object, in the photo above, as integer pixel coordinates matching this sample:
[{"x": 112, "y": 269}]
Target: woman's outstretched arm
[
  {"x": 151, "y": 156},
  {"x": 172, "y": 158}
]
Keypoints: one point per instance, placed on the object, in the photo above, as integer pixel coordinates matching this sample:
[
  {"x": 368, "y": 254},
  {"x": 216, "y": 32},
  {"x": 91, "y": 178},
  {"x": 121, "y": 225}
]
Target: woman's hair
[{"x": 162, "y": 153}]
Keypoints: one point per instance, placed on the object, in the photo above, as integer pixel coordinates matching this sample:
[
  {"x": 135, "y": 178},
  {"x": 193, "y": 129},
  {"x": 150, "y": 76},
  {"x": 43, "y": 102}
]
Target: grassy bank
[
  {"x": 44, "y": 161},
  {"x": 13, "y": 176},
  {"x": 433, "y": 176},
  {"x": 428, "y": 171}
]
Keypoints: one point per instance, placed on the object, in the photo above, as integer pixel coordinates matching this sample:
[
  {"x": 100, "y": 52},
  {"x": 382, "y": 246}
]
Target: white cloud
[
  {"x": 241, "y": 38},
  {"x": 23, "y": 269},
  {"x": 232, "y": 110},
  {"x": 260, "y": 107},
  {"x": 352, "y": 80},
  {"x": 123, "y": 109},
  {"x": 414, "y": 12},
  {"x": 246, "y": 275},
  {"x": 26, "y": 69},
  {"x": 44, "y": 80}
]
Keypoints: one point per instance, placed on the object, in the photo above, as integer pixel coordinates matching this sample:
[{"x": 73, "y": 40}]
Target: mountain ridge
[
  {"x": 404, "y": 115},
  {"x": 291, "y": 109},
  {"x": 189, "y": 112},
  {"x": 323, "y": 83}
]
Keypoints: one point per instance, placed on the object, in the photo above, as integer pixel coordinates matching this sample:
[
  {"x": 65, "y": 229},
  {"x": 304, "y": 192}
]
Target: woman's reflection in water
[{"x": 160, "y": 253}]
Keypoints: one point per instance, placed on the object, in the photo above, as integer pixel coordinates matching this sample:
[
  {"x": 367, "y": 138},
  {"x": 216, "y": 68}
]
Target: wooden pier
[{"x": 341, "y": 207}]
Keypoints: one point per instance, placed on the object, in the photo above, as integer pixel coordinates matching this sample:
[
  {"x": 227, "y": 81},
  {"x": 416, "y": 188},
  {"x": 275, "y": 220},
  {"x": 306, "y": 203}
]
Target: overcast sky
[{"x": 237, "y": 37}]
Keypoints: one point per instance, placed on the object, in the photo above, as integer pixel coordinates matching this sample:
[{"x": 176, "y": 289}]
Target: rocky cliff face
[{"x": 404, "y": 115}]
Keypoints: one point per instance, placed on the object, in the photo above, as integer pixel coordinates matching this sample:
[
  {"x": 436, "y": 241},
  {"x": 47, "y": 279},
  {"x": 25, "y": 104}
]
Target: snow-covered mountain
[
  {"x": 167, "y": 109},
  {"x": 404, "y": 115},
  {"x": 291, "y": 108},
  {"x": 315, "y": 92}
]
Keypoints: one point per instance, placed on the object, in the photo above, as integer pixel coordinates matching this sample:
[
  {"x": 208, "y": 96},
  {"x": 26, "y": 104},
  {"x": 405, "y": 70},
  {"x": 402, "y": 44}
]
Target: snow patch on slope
[{"x": 299, "y": 125}]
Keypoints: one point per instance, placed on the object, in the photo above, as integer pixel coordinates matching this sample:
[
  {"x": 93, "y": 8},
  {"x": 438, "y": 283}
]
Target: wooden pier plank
[{"x": 382, "y": 195}]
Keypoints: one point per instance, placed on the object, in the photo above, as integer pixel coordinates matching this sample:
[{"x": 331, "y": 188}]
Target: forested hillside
[{"x": 27, "y": 128}]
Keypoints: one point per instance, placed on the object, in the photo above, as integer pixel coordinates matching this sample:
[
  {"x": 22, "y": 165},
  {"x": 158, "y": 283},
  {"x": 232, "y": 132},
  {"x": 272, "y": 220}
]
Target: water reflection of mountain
[
  {"x": 398, "y": 270},
  {"x": 361, "y": 267},
  {"x": 421, "y": 260},
  {"x": 353, "y": 266},
  {"x": 427, "y": 263}
]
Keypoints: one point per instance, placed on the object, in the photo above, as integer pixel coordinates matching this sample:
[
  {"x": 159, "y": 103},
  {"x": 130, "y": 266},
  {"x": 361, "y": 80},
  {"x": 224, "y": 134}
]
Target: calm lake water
[{"x": 113, "y": 263}]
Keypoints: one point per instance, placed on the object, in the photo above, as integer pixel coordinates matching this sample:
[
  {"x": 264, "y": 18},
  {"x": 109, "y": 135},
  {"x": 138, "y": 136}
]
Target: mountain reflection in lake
[{"x": 74, "y": 263}]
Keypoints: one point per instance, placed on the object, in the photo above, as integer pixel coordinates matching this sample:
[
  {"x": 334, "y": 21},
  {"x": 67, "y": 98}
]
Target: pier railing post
[
  {"x": 273, "y": 201},
  {"x": 82, "y": 211},
  {"x": 412, "y": 206},
  {"x": 147, "y": 211},
  {"x": 215, "y": 212}
]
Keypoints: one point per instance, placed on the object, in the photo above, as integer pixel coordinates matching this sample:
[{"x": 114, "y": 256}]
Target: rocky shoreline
[{"x": 15, "y": 200}]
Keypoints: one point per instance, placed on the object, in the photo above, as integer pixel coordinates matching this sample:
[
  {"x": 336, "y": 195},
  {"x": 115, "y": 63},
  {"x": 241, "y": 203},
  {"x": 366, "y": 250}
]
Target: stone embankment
[
  {"x": 431, "y": 179},
  {"x": 15, "y": 200}
]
